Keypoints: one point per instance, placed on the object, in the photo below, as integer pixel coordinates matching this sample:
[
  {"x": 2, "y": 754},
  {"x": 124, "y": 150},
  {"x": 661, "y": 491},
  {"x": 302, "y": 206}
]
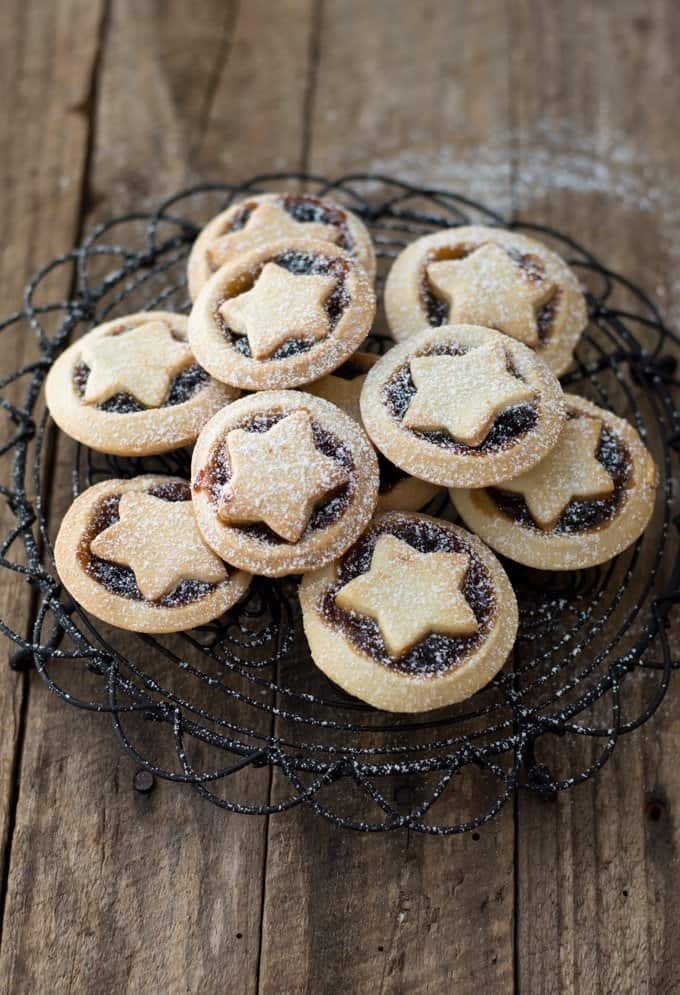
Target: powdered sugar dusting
[
  {"x": 589, "y": 530},
  {"x": 441, "y": 458},
  {"x": 491, "y": 277},
  {"x": 349, "y": 645},
  {"x": 260, "y": 220},
  {"x": 133, "y": 583},
  {"x": 551, "y": 155},
  {"x": 297, "y": 342},
  {"x": 333, "y": 511},
  {"x": 120, "y": 422}
]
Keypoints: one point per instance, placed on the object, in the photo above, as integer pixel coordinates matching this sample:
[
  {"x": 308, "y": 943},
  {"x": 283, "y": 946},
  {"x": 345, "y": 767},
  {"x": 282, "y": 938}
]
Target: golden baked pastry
[
  {"x": 259, "y": 220},
  {"x": 587, "y": 501},
  {"x": 492, "y": 277},
  {"x": 132, "y": 387},
  {"x": 129, "y": 551},
  {"x": 283, "y": 482},
  {"x": 418, "y": 614},
  {"x": 282, "y": 315},
  {"x": 398, "y": 490},
  {"x": 463, "y": 406}
]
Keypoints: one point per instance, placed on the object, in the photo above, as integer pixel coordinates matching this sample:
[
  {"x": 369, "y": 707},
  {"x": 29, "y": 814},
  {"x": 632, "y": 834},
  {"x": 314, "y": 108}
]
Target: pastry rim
[
  {"x": 390, "y": 689},
  {"x": 323, "y": 545},
  {"x": 433, "y": 463},
  {"x": 132, "y": 433},
  {"x": 409, "y": 493},
  {"x": 570, "y": 551},
  {"x": 225, "y": 363},
  {"x": 199, "y": 272},
  {"x": 406, "y": 315},
  {"x": 113, "y": 608}
]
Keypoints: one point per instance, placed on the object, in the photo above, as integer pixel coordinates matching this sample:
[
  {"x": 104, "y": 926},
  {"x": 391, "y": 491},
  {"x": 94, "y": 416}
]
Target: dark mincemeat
[
  {"x": 437, "y": 653},
  {"x": 120, "y": 580},
  {"x": 241, "y": 217},
  {"x": 390, "y": 474},
  {"x": 301, "y": 264},
  {"x": 304, "y": 208},
  {"x": 437, "y": 310},
  {"x": 184, "y": 386},
  {"x": 217, "y": 473},
  {"x": 579, "y": 516},
  {"x": 301, "y": 207},
  {"x": 400, "y": 390}
]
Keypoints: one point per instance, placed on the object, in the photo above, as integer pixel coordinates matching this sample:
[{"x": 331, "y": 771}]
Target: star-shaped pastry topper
[
  {"x": 278, "y": 476},
  {"x": 411, "y": 594},
  {"x": 489, "y": 288},
  {"x": 267, "y": 223},
  {"x": 570, "y": 471},
  {"x": 141, "y": 362},
  {"x": 280, "y": 307},
  {"x": 463, "y": 394},
  {"x": 160, "y": 542}
]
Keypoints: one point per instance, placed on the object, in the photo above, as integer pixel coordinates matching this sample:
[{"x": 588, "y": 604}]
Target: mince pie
[
  {"x": 132, "y": 387},
  {"x": 282, "y": 315},
  {"x": 398, "y": 490},
  {"x": 491, "y": 277},
  {"x": 259, "y": 220},
  {"x": 587, "y": 501},
  {"x": 283, "y": 482},
  {"x": 418, "y": 614},
  {"x": 463, "y": 406},
  {"x": 130, "y": 552}
]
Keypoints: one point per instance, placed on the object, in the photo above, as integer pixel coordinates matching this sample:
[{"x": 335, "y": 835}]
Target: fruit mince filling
[
  {"x": 437, "y": 310},
  {"x": 580, "y": 515},
  {"x": 216, "y": 474},
  {"x": 301, "y": 264},
  {"x": 509, "y": 426},
  {"x": 436, "y": 653},
  {"x": 184, "y": 386},
  {"x": 120, "y": 580},
  {"x": 302, "y": 208}
]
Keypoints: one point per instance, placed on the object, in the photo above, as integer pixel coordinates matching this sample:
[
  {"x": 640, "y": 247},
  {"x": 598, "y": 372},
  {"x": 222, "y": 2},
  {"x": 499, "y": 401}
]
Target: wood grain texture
[
  {"x": 46, "y": 95},
  {"x": 403, "y": 86},
  {"x": 212, "y": 96},
  {"x": 570, "y": 110},
  {"x": 163, "y": 892},
  {"x": 365, "y": 913},
  {"x": 598, "y": 869}
]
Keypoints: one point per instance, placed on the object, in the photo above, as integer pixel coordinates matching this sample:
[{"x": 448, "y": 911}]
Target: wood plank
[
  {"x": 344, "y": 911},
  {"x": 597, "y": 156},
  {"x": 182, "y": 93},
  {"x": 45, "y": 91},
  {"x": 597, "y": 870},
  {"x": 214, "y": 103}
]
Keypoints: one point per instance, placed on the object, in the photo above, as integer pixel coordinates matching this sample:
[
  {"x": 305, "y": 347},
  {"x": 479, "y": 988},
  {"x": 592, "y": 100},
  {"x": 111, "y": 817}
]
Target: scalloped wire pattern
[{"x": 214, "y": 706}]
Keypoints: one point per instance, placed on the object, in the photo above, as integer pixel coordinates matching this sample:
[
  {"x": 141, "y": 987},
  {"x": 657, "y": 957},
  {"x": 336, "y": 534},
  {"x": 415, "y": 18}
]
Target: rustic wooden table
[{"x": 562, "y": 112}]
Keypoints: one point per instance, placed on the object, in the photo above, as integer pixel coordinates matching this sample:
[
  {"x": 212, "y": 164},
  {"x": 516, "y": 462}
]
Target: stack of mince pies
[{"x": 313, "y": 457}]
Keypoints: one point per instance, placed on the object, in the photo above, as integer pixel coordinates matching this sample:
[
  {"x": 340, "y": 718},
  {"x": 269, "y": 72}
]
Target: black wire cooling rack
[{"x": 236, "y": 709}]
